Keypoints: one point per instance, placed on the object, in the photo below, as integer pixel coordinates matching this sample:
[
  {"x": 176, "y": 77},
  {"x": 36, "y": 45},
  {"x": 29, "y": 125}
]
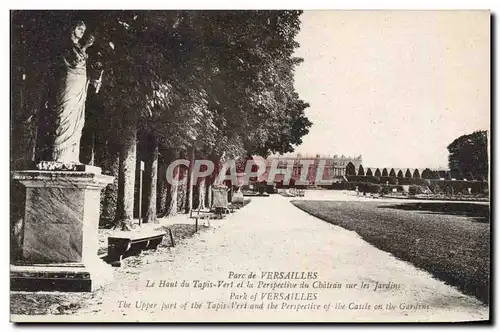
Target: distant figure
[
  {"x": 357, "y": 191},
  {"x": 68, "y": 113}
]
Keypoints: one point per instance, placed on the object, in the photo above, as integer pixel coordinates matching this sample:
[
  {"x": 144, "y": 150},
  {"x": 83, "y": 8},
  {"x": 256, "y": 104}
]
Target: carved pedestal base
[
  {"x": 63, "y": 277},
  {"x": 59, "y": 232}
]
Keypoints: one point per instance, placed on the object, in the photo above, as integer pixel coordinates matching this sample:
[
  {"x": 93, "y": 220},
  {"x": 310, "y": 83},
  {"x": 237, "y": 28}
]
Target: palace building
[
  {"x": 338, "y": 169},
  {"x": 335, "y": 167}
]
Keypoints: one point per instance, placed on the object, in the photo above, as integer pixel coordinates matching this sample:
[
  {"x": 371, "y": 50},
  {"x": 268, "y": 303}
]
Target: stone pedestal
[{"x": 59, "y": 234}]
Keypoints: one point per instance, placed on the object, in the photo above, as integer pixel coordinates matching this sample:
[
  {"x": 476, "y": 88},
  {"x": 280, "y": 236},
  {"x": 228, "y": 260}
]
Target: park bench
[
  {"x": 201, "y": 214},
  {"x": 126, "y": 244}
]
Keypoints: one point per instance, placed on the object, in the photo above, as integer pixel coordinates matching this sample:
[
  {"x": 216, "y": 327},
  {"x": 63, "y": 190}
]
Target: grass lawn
[{"x": 449, "y": 240}]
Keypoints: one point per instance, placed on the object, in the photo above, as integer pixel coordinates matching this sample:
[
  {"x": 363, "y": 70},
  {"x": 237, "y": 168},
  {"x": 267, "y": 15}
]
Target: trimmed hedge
[
  {"x": 389, "y": 180},
  {"x": 448, "y": 187},
  {"x": 415, "y": 190},
  {"x": 458, "y": 187},
  {"x": 362, "y": 187},
  {"x": 363, "y": 178},
  {"x": 415, "y": 182}
]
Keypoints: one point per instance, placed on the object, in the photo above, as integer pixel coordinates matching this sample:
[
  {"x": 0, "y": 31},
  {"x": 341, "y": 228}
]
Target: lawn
[{"x": 449, "y": 240}]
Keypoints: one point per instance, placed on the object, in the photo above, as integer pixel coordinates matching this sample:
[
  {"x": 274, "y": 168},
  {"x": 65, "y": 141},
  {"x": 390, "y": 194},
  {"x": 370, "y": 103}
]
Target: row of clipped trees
[
  {"x": 427, "y": 173},
  {"x": 468, "y": 159},
  {"x": 176, "y": 84},
  {"x": 468, "y": 172}
]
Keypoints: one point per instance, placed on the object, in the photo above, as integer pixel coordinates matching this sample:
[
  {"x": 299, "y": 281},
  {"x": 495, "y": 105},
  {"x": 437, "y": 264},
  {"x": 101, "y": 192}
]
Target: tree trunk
[
  {"x": 162, "y": 188},
  {"x": 107, "y": 156},
  {"x": 111, "y": 166},
  {"x": 126, "y": 181},
  {"x": 174, "y": 194},
  {"x": 89, "y": 132},
  {"x": 152, "y": 175},
  {"x": 218, "y": 162},
  {"x": 212, "y": 179},
  {"x": 230, "y": 193},
  {"x": 190, "y": 185},
  {"x": 27, "y": 119},
  {"x": 165, "y": 190},
  {"x": 209, "y": 189},
  {"x": 182, "y": 190},
  {"x": 173, "y": 200}
]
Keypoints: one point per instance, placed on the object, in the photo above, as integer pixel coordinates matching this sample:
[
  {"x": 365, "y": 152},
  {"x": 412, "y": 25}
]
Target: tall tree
[
  {"x": 151, "y": 181},
  {"x": 217, "y": 82},
  {"x": 133, "y": 74},
  {"x": 469, "y": 154}
]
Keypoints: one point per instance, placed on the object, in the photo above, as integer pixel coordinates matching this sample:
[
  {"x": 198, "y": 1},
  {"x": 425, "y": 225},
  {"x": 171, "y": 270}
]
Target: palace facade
[
  {"x": 335, "y": 167},
  {"x": 338, "y": 167}
]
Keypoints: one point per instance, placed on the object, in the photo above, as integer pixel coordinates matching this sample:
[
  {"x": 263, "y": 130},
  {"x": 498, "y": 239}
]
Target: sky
[{"x": 393, "y": 86}]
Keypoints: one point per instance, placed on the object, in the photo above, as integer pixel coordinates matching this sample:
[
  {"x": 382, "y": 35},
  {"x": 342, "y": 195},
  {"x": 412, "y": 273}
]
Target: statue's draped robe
[{"x": 69, "y": 107}]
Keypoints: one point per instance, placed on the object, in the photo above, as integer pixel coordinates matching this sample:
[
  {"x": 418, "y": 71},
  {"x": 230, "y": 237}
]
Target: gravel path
[{"x": 272, "y": 235}]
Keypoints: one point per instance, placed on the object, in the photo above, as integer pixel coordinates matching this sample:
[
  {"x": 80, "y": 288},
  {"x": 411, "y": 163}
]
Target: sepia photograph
[{"x": 256, "y": 166}]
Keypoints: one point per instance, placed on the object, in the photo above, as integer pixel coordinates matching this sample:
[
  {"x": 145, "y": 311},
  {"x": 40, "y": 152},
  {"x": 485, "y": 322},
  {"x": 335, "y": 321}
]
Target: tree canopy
[
  {"x": 468, "y": 154},
  {"x": 217, "y": 80}
]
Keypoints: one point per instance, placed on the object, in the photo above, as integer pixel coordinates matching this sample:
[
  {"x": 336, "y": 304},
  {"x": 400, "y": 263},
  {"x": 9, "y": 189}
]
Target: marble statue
[{"x": 68, "y": 110}]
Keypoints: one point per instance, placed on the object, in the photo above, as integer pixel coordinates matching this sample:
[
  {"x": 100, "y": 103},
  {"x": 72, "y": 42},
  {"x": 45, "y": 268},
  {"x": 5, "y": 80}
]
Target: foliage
[
  {"x": 459, "y": 187},
  {"x": 428, "y": 174},
  {"x": 413, "y": 181},
  {"x": 385, "y": 190},
  {"x": 391, "y": 179},
  {"x": 218, "y": 82},
  {"x": 363, "y": 178},
  {"x": 252, "y": 78},
  {"x": 387, "y": 180},
  {"x": 415, "y": 190},
  {"x": 361, "y": 170},
  {"x": 363, "y": 187}
]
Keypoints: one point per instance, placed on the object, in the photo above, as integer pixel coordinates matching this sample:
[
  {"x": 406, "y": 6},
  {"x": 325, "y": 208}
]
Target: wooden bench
[
  {"x": 125, "y": 244},
  {"x": 200, "y": 214}
]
